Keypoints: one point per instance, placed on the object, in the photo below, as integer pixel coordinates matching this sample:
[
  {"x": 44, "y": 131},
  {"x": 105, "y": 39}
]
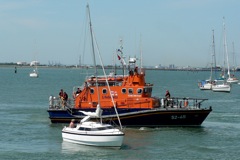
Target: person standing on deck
[
  {"x": 167, "y": 97},
  {"x": 65, "y": 98},
  {"x": 61, "y": 94}
]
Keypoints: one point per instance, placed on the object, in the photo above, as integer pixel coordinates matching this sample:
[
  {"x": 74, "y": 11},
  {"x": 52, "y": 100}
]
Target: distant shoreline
[{"x": 107, "y": 67}]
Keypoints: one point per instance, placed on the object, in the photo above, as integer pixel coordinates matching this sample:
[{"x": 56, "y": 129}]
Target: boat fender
[
  {"x": 51, "y": 101},
  {"x": 185, "y": 103},
  {"x": 162, "y": 102}
]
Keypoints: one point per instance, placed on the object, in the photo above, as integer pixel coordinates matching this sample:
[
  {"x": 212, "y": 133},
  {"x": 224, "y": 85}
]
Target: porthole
[
  {"x": 124, "y": 91},
  {"x": 139, "y": 90},
  {"x": 130, "y": 91},
  {"x": 104, "y": 91}
]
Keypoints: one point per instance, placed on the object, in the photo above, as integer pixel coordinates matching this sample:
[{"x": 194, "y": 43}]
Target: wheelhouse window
[
  {"x": 101, "y": 84},
  {"x": 118, "y": 83},
  {"x": 147, "y": 90},
  {"x": 111, "y": 83}
]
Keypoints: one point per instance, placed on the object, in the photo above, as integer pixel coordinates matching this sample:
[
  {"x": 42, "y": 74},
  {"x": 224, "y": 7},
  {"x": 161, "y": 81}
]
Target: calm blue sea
[{"x": 28, "y": 134}]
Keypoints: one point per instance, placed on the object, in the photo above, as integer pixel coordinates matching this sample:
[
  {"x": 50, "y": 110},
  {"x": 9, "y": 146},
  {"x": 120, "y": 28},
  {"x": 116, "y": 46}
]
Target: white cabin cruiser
[{"x": 93, "y": 133}]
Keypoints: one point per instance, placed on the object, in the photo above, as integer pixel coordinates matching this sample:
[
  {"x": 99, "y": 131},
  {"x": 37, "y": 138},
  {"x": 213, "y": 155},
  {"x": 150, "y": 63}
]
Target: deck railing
[
  {"x": 58, "y": 103},
  {"x": 185, "y": 102},
  {"x": 175, "y": 102}
]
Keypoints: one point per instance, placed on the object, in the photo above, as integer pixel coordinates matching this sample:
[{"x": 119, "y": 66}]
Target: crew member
[
  {"x": 167, "y": 97},
  {"x": 61, "y": 94},
  {"x": 72, "y": 125}
]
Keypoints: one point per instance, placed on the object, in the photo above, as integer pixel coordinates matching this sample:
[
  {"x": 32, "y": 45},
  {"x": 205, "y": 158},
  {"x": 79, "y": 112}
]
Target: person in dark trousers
[
  {"x": 65, "y": 96},
  {"x": 61, "y": 94},
  {"x": 167, "y": 97}
]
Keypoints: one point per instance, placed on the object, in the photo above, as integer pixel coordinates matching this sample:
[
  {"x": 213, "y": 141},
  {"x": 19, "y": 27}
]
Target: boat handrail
[
  {"x": 108, "y": 76},
  {"x": 189, "y": 98},
  {"x": 58, "y": 103},
  {"x": 182, "y": 102}
]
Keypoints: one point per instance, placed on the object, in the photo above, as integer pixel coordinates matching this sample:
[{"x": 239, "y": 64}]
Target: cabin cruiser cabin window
[
  {"x": 95, "y": 129},
  {"x": 81, "y": 129}
]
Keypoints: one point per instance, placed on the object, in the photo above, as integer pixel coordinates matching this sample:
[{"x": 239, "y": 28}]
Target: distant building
[
  {"x": 34, "y": 63},
  {"x": 159, "y": 66},
  {"x": 171, "y": 66}
]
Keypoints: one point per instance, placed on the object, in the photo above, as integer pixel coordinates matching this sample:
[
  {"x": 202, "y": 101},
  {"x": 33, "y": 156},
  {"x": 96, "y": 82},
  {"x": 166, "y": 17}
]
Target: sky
[{"x": 166, "y": 32}]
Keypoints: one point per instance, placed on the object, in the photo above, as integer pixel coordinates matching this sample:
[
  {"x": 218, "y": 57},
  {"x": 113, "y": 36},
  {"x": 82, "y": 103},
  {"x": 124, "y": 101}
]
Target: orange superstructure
[{"x": 129, "y": 91}]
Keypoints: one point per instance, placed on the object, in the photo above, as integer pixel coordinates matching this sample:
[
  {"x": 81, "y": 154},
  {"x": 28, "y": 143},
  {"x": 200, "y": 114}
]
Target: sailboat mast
[
  {"x": 79, "y": 63},
  {"x": 225, "y": 46},
  {"x": 93, "y": 52},
  {"x": 141, "y": 62},
  {"x": 213, "y": 55},
  {"x": 233, "y": 57},
  {"x": 92, "y": 43}
]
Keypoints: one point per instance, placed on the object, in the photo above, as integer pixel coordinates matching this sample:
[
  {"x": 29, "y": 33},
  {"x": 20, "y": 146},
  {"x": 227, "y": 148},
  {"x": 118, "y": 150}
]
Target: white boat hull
[
  {"x": 34, "y": 75},
  {"x": 221, "y": 88},
  {"x": 111, "y": 138},
  {"x": 232, "y": 80},
  {"x": 206, "y": 86}
]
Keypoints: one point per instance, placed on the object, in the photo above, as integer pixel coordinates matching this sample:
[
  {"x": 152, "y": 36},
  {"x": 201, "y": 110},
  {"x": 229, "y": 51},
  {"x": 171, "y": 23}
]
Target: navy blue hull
[{"x": 140, "y": 118}]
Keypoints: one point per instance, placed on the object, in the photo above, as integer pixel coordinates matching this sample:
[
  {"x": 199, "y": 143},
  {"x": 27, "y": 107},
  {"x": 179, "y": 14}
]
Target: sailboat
[
  {"x": 34, "y": 73},
  {"x": 222, "y": 85},
  {"x": 94, "y": 133},
  {"x": 207, "y": 84},
  {"x": 231, "y": 77}
]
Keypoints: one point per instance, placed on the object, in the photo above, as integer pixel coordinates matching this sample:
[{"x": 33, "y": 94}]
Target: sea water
[{"x": 27, "y": 133}]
